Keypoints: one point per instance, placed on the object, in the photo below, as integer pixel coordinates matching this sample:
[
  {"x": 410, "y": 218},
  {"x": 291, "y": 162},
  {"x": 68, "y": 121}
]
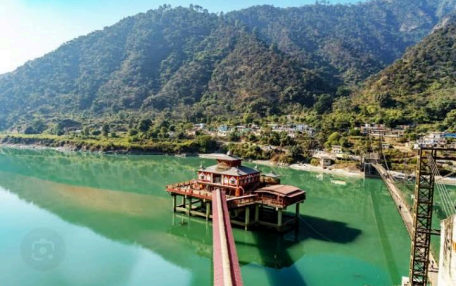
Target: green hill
[
  {"x": 195, "y": 65},
  {"x": 421, "y": 86}
]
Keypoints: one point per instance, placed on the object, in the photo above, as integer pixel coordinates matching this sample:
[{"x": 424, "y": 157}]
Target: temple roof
[
  {"x": 272, "y": 175},
  {"x": 225, "y": 157},
  {"x": 231, "y": 171},
  {"x": 281, "y": 190}
]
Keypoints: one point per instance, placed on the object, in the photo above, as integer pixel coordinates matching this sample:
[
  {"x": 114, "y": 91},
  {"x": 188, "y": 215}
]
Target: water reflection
[{"x": 122, "y": 198}]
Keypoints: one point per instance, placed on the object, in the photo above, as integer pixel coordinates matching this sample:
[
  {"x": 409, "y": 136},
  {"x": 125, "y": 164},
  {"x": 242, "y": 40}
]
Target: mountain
[
  {"x": 421, "y": 86},
  {"x": 192, "y": 64},
  {"x": 349, "y": 42}
]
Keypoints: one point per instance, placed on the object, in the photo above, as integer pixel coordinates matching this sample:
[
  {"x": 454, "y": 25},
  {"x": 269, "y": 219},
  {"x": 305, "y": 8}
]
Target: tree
[
  {"x": 39, "y": 126},
  {"x": 323, "y": 104},
  {"x": 144, "y": 125},
  {"x": 206, "y": 143},
  {"x": 296, "y": 152},
  {"x": 86, "y": 131},
  {"x": 384, "y": 100},
  {"x": 105, "y": 130},
  {"x": 450, "y": 121},
  {"x": 234, "y": 137}
]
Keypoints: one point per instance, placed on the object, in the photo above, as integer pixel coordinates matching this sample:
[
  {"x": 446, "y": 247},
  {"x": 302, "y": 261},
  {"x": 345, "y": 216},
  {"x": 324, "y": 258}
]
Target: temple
[{"x": 253, "y": 198}]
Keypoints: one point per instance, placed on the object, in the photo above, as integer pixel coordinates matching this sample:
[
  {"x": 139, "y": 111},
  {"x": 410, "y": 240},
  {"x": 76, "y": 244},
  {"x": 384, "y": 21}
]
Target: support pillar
[
  {"x": 189, "y": 209},
  {"x": 247, "y": 217},
  {"x": 297, "y": 214},
  {"x": 257, "y": 213},
  {"x": 174, "y": 203},
  {"x": 208, "y": 210},
  {"x": 279, "y": 217}
]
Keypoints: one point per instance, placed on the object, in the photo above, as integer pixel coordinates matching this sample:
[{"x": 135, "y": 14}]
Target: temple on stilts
[{"x": 253, "y": 198}]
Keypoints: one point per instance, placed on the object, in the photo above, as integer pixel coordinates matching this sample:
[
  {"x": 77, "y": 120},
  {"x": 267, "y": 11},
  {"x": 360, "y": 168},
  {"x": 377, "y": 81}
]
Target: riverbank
[
  {"x": 78, "y": 148},
  {"x": 333, "y": 171},
  {"x": 105, "y": 145}
]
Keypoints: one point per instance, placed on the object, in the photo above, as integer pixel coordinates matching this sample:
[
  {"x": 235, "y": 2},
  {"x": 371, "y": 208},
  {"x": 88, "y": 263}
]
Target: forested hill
[
  {"x": 347, "y": 42},
  {"x": 421, "y": 86},
  {"x": 262, "y": 61}
]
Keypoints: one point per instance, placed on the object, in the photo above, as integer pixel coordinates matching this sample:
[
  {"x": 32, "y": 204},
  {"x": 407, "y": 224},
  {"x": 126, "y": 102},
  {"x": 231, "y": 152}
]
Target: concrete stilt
[
  {"x": 297, "y": 214},
  {"x": 189, "y": 209},
  {"x": 247, "y": 218},
  {"x": 257, "y": 213},
  {"x": 208, "y": 210},
  {"x": 279, "y": 218}
]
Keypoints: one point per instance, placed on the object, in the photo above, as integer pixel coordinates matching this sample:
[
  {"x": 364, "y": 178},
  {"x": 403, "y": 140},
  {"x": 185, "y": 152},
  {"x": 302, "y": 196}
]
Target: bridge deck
[
  {"x": 226, "y": 264},
  {"x": 405, "y": 213}
]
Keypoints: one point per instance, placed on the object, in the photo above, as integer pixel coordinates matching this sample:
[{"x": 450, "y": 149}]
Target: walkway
[
  {"x": 405, "y": 213},
  {"x": 226, "y": 264}
]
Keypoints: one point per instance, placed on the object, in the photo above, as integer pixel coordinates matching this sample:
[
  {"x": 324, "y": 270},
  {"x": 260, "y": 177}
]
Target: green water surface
[{"x": 118, "y": 227}]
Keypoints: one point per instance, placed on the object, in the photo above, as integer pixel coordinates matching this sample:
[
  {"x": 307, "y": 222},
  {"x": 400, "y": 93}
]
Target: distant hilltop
[{"x": 194, "y": 65}]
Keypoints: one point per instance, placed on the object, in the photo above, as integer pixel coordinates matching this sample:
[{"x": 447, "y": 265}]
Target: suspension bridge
[{"x": 418, "y": 219}]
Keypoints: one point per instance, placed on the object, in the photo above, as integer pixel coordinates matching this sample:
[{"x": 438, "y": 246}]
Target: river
[{"x": 110, "y": 222}]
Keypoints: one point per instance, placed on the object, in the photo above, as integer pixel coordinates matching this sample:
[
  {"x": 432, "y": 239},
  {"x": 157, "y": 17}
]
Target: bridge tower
[{"x": 422, "y": 218}]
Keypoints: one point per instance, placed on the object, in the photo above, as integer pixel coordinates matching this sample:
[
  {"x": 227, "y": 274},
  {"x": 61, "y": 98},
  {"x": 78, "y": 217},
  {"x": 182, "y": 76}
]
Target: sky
[{"x": 32, "y": 28}]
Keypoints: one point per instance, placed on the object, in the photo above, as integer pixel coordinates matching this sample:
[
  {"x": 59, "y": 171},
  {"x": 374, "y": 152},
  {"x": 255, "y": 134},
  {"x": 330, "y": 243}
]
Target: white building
[{"x": 433, "y": 139}]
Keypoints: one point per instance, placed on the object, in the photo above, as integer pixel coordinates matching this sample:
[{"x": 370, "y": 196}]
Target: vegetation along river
[{"x": 116, "y": 226}]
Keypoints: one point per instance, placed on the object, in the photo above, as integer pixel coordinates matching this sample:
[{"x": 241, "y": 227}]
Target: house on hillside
[
  {"x": 337, "y": 150},
  {"x": 326, "y": 161},
  {"x": 223, "y": 130},
  {"x": 433, "y": 139}
]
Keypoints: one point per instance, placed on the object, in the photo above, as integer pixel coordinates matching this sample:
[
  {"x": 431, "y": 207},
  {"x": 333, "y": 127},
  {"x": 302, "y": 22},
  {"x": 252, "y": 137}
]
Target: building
[
  {"x": 447, "y": 264},
  {"x": 379, "y": 130},
  {"x": 326, "y": 161},
  {"x": 336, "y": 149},
  {"x": 199, "y": 126},
  {"x": 230, "y": 175},
  {"x": 245, "y": 188},
  {"x": 433, "y": 139},
  {"x": 373, "y": 129},
  {"x": 223, "y": 130}
]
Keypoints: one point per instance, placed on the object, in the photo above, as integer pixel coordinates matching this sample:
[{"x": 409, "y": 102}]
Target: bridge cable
[
  {"x": 443, "y": 191},
  {"x": 441, "y": 187}
]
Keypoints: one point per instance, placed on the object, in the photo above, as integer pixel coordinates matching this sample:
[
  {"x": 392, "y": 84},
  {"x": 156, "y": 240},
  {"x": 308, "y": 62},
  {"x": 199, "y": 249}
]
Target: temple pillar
[
  {"x": 190, "y": 199},
  {"x": 247, "y": 217},
  {"x": 208, "y": 210},
  {"x": 279, "y": 217}
]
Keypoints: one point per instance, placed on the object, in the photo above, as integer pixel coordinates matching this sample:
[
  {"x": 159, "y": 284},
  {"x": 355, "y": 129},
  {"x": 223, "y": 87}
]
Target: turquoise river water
[{"x": 115, "y": 226}]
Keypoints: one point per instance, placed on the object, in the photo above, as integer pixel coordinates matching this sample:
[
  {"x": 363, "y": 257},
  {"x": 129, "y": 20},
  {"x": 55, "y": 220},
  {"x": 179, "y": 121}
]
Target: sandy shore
[
  {"x": 301, "y": 167},
  {"x": 36, "y": 147},
  {"x": 338, "y": 172}
]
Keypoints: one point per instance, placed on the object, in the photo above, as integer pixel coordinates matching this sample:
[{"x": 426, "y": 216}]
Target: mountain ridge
[{"x": 195, "y": 64}]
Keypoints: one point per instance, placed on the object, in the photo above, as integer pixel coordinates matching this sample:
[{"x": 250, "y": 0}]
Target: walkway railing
[{"x": 226, "y": 264}]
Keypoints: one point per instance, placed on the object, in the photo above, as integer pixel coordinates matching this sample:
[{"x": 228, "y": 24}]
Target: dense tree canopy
[{"x": 191, "y": 64}]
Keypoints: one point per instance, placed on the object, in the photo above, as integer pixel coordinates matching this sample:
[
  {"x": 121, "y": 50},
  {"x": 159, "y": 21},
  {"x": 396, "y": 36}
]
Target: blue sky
[{"x": 32, "y": 28}]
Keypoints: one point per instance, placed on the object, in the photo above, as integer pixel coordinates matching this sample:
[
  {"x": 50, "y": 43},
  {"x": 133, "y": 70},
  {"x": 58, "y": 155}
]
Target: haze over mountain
[{"x": 194, "y": 64}]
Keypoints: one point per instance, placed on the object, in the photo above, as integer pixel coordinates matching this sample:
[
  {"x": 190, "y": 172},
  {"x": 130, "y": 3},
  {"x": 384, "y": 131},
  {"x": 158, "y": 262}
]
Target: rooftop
[
  {"x": 232, "y": 171},
  {"x": 272, "y": 175},
  {"x": 224, "y": 157},
  {"x": 281, "y": 190}
]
